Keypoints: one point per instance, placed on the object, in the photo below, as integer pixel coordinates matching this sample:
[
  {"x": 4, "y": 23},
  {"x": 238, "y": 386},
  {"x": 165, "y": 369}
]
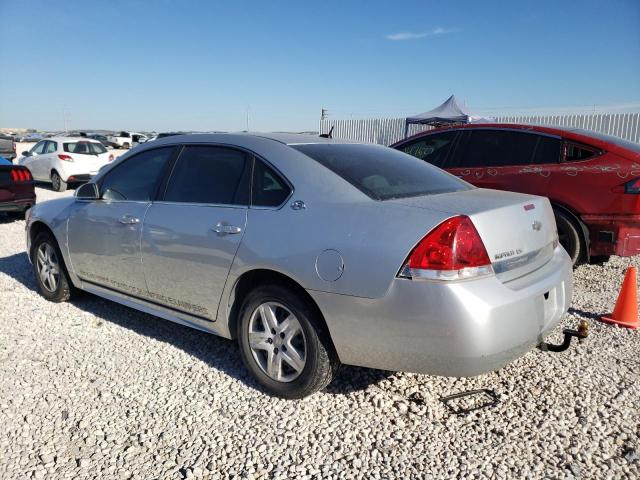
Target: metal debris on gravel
[{"x": 94, "y": 389}]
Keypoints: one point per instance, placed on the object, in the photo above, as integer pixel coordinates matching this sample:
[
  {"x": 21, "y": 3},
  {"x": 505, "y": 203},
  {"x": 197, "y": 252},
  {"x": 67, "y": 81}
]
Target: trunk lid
[{"x": 518, "y": 230}]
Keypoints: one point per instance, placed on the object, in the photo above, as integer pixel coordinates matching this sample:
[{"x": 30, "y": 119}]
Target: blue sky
[{"x": 164, "y": 65}]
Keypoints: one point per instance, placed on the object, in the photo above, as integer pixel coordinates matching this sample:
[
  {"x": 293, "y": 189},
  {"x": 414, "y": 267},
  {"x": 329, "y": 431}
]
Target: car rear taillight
[
  {"x": 19, "y": 175},
  {"x": 66, "y": 158},
  {"x": 451, "y": 251},
  {"x": 632, "y": 186}
]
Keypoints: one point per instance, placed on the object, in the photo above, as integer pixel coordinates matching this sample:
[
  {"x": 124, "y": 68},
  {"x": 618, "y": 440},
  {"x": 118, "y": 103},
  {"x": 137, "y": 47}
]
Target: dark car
[
  {"x": 7, "y": 147},
  {"x": 17, "y": 193},
  {"x": 592, "y": 180},
  {"x": 104, "y": 140}
]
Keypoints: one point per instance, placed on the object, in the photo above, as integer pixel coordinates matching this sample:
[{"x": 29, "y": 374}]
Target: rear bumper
[
  {"x": 17, "y": 205},
  {"x": 462, "y": 329},
  {"x": 613, "y": 234}
]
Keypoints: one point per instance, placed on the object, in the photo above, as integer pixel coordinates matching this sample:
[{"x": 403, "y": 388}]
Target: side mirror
[
  {"x": 88, "y": 191},
  {"x": 26, "y": 154}
]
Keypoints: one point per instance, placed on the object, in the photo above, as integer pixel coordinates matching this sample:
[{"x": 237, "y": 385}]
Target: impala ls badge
[{"x": 537, "y": 225}]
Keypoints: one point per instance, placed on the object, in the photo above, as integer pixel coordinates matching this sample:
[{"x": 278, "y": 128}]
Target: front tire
[
  {"x": 284, "y": 342},
  {"x": 50, "y": 271},
  {"x": 57, "y": 183},
  {"x": 570, "y": 237}
]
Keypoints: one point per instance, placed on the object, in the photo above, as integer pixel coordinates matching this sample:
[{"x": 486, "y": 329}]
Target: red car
[
  {"x": 592, "y": 180},
  {"x": 17, "y": 193}
]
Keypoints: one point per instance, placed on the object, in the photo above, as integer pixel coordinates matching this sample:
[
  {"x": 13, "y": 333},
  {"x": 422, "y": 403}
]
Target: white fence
[{"x": 386, "y": 131}]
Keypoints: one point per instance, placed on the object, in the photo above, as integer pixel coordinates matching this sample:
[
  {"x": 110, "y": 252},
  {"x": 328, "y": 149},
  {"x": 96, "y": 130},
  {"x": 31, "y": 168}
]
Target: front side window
[
  {"x": 268, "y": 189},
  {"x": 39, "y": 148},
  {"x": 382, "y": 173},
  {"x": 213, "y": 175},
  {"x": 137, "y": 178},
  {"x": 84, "y": 148},
  {"x": 494, "y": 148},
  {"x": 431, "y": 148}
]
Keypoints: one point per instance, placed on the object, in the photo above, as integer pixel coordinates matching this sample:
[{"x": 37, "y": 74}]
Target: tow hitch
[{"x": 580, "y": 334}]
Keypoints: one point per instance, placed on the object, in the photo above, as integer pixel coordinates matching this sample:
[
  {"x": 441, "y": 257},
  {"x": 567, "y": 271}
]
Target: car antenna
[{"x": 328, "y": 135}]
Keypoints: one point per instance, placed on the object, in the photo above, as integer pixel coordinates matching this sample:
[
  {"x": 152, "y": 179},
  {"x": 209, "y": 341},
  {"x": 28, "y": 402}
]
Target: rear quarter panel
[
  {"x": 595, "y": 186},
  {"x": 372, "y": 237}
]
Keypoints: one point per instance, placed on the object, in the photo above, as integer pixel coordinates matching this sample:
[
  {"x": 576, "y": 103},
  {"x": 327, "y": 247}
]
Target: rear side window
[
  {"x": 382, "y": 173},
  {"x": 269, "y": 189},
  {"x": 84, "y": 148},
  {"x": 431, "y": 148},
  {"x": 215, "y": 175},
  {"x": 547, "y": 150},
  {"x": 574, "y": 152},
  {"x": 137, "y": 178},
  {"x": 494, "y": 148}
]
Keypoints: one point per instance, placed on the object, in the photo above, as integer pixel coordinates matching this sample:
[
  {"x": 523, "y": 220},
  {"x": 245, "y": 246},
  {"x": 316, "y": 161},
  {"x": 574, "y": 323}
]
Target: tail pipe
[{"x": 580, "y": 334}]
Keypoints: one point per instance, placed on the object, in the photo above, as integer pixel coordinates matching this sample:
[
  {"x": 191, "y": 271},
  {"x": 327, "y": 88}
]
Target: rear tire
[
  {"x": 57, "y": 183},
  {"x": 49, "y": 269},
  {"x": 269, "y": 356},
  {"x": 127, "y": 145},
  {"x": 570, "y": 237}
]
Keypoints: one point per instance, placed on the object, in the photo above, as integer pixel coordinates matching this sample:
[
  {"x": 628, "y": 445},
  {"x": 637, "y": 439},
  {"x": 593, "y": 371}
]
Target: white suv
[{"x": 63, "y": 160}]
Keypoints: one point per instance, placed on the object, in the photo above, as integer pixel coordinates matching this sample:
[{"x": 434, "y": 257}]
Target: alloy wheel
[
  {"x": 48, "y": 266},
  {"x": 277, "y": 342}
]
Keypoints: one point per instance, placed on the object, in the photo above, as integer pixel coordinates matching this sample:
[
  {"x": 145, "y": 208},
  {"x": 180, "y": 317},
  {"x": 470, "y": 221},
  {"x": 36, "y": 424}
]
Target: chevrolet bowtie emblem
[{"x": 537, "y": 225}]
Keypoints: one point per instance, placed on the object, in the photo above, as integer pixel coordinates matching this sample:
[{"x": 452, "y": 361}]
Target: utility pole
[{"x": 65, "y": 115}]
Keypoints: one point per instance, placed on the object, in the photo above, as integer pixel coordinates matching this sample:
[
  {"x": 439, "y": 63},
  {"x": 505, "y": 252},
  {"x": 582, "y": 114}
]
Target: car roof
[
  {"x": 241, "y": 137},
  {"x": 72, "y": 139},
  {"x": 570, "y": 133}
]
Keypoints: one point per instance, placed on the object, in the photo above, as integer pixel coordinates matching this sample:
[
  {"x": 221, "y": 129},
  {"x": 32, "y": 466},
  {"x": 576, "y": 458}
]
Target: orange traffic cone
[{"x": 626, "y": 312}]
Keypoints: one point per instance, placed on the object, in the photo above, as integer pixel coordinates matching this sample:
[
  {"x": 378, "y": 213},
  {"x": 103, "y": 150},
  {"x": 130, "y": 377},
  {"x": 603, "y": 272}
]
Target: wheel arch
[
  {"x": 576, "y": 219},
  {"x": 35, "y": 229},
  {"x": 251, "y": 279}
]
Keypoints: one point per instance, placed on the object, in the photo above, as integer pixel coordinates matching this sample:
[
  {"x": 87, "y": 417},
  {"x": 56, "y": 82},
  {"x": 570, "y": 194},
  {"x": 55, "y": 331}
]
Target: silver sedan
[{"x": 311, "y": 252}]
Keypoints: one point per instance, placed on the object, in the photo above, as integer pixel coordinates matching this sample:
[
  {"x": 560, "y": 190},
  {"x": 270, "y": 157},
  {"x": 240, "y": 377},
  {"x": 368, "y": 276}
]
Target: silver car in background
[{"x": 311, "y": 252}]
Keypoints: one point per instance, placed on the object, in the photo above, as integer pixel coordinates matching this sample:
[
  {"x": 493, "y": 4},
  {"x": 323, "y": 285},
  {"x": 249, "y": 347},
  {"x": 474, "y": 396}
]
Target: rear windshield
[
  {"x": 382, "y": 173},
  {"x": 620, "y": 142},
  {"x": 87, "y": 148}
]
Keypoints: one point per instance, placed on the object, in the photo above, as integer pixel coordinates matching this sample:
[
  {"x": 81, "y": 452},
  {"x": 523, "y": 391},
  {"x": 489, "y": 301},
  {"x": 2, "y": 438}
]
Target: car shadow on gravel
[{"x": 217, "y": 352}]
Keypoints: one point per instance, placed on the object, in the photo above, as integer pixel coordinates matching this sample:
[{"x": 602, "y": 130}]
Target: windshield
[
  {"x": 85, "y": 148},
  {"x": 382, "y": 173}
]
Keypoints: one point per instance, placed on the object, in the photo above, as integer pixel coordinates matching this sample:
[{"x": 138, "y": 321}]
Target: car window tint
[
  {"x": 51, "y": 147},
  {"x": 85, "y": 148},
  {"x": 431, "y": 148},
  {"x": 382, "y": 173},
  {"x": 268, "y": 190},
  {"x": 205, "y": 174},
  {"x": 574, "y": 153},
  {"x": 39, "y": 147},
  {"x": 494, "y": 148},
  {"x": 547, "y": 150},
  {"x": 136, "y": 178}
]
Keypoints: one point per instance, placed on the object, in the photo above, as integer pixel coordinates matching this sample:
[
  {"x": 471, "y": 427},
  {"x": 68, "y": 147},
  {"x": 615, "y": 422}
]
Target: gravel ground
[{"x": 94, "y": 389}]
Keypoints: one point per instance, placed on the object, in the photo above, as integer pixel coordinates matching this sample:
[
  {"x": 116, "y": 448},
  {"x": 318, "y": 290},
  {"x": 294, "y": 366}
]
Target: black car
[
  {"x": 104, "y": 141},
  {"x": 17, "y": 193}
]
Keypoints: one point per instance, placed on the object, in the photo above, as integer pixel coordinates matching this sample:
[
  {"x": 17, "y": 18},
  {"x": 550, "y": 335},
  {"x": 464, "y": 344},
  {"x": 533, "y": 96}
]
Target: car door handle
[
  {"x": 129, "y": 220},
  {"x": 226, "y": 229}
]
